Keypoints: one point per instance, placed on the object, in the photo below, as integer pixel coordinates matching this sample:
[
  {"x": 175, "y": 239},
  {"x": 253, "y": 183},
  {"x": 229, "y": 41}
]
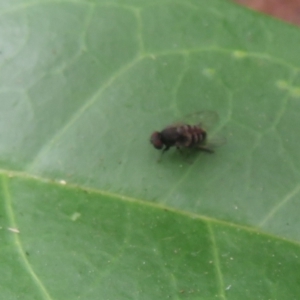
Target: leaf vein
[
  {"x": 18, "y": 243},
  {"x": 58, "y": 135},
  {"x": 129, "y": 199},
  {"x": 216, "y": 261}
]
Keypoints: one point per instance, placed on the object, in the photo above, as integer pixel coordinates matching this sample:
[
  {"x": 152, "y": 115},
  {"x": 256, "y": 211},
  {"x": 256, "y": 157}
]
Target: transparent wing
[
  {"x": 216, "y": 141},
  {"x": 205, "y": 119}
]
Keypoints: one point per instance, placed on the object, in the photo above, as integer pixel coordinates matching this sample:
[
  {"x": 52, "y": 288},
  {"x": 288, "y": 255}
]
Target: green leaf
[{"x": 87, "y": 211}]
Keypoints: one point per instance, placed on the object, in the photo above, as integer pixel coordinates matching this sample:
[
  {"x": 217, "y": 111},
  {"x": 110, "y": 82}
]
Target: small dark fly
[{"x": 189, "y": 134}]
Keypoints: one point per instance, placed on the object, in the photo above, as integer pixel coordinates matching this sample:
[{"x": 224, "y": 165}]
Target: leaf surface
[{"x": 87, "y": 211}]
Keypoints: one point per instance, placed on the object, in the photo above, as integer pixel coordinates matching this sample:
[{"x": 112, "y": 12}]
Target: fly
[{"x": 187, "y": 135}]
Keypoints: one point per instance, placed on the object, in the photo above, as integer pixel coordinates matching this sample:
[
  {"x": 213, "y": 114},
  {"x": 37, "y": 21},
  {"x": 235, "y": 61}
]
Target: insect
[{"x": 187, "y": 135}]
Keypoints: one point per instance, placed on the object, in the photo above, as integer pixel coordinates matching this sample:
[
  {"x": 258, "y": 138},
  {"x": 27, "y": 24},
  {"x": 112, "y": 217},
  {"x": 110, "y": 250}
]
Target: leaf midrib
[{"x": 125, "y": 198}]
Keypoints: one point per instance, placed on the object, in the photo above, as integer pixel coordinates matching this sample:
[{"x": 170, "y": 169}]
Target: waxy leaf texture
[{"x": 88, "y": 210}]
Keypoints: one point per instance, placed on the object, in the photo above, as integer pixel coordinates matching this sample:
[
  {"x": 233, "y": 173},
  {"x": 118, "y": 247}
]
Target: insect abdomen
[{"x": 193, "y": 135}]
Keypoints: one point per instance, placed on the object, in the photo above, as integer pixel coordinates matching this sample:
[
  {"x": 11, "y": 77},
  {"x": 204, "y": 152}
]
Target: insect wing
[
  {"x": 215, "y": 142},
  {"x": 205, "y": 119}
]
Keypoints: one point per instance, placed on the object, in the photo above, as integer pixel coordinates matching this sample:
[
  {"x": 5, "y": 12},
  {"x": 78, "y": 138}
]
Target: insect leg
[
  {"x": 165, "y": 149},
  {"x": 179, "y": 149},
  {"x": 205, "y": 149}
]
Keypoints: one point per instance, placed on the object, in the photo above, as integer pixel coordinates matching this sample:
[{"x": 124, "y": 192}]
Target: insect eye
[
  {"x": 156, "y": 140},
  {"x": 158, "y": 144}
]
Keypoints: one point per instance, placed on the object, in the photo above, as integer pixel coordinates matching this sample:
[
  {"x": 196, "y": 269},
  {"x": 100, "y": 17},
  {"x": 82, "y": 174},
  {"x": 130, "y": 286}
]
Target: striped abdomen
[{"x": 190, "y": 136}]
